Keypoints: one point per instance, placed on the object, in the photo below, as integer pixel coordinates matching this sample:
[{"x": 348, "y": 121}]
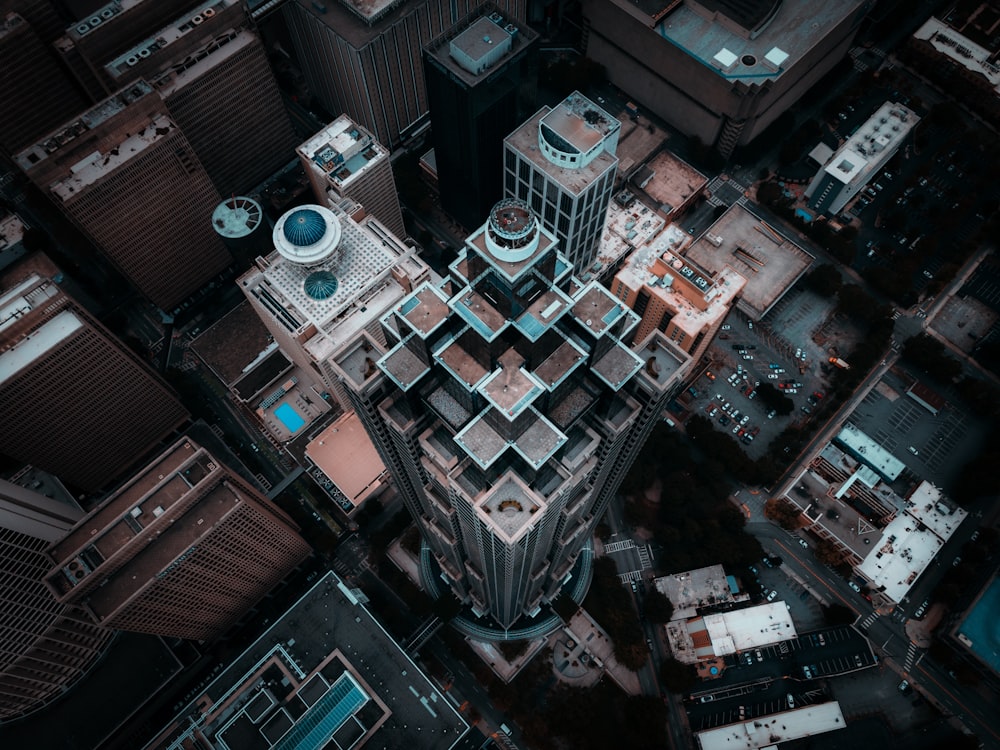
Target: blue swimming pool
[
  {"x": 803, "y": 214},
  {"x": 292, "y": 420},
  {"x": 982, "y": 626}
]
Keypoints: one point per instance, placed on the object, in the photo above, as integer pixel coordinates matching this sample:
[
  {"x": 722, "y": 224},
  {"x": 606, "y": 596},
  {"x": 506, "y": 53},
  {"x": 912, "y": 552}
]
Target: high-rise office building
[
  {"x": 110, "y": 30},
  {"x": 363, "y": 58},
  {"x": 73, "y": 399},
  {"x": 42, "y": 15},
  {"x": 215, "y": 79},
  {"x": 329, "y": 278},
  {"x": 45, "y": 647},
  {"x": 509, "y": 412},
  {"x": 720, "y": 71},
  {"x": 37, "y": 93},
  {"x": 184, "y": 549},
  {"x": 562, "y": 163},
  {"x": 481, "y": 83},
  {"x": 125, "y": 173},
  {"x": 345, "y": 161}
]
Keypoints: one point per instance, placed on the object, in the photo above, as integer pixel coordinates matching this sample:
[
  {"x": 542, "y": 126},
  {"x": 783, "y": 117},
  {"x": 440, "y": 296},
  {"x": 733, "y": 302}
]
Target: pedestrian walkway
[
  {"x": 619, "y": 546},
  {"x": 867, "y": 622},
  {"x": 911, "y": 659}
]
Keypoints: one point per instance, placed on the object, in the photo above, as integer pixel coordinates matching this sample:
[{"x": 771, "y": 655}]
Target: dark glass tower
[{"x": 481, "y": 80}]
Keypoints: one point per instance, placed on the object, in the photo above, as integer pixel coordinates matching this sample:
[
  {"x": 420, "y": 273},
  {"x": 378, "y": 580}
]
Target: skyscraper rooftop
[{"x": 342, "y": 151}]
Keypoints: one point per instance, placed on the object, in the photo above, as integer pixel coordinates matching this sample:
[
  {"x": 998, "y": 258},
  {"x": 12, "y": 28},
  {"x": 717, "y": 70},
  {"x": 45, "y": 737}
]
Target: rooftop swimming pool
[{"x": 290, "y": 418}]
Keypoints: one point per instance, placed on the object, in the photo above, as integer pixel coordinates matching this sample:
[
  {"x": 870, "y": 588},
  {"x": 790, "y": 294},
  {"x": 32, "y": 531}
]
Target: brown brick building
[
  {"x": 184, "y": 549},
  {"x": 73, "y": 400}
]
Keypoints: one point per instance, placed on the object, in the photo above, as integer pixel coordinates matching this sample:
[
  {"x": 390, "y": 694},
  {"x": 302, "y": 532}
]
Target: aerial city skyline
[{"x": 404, "y": 373}]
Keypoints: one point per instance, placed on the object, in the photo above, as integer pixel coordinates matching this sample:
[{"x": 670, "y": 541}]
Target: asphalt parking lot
[
  {"x": 933, "y": 446},
  {"x": 744, "y": 357}
]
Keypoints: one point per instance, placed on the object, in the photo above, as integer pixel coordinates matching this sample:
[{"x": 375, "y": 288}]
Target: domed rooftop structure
[
  {"x": 307, "y": 235},
  {"x": 304, "y": 226},
  {"x": 321, "y": 285}
]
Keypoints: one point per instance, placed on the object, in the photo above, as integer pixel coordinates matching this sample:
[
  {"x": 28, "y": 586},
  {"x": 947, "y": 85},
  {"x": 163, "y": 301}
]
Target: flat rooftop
[
  {"x": 98, "y": 164},
  {"x": 664, "y": 360},
  {"x": 692, "y": 589},
  {"x": 752, "y": 627},
  {"x": 159, "y": 44},
  {"x": 524, "y": 141},
  {"x": 768, "y": 731},
  {"x": 345, "y": 454},
  {"x": 94, "y": 117},
  {"x": 865, "y": 449},
  {"x": 673, "y": 182},
  {"x": 342, "y": 151},
  {"x": 230, "y": 346},
  {"x": 510, "y": 508},
  {"x": 597, "y": 309},
  {"x": 697, "y": 297},
  {"x": 362, "y": 264},
  {"x": 43, "y": 339},
  {"x": 794, "y": 29},
  {"x": 326, "y": 670},
  {"x": 769, "y": 261},
  {"x": 214, "y": 53},
  {"x": 883, "y": 131},
  {"x": 510, "y": 388},
  {"x": 577, "y": 124},
  {"x": 477, "y": 46},
  {"x": 11, "y": 234},
  {"x": 911, "y": 541},
  {"x": 961, "y": 49}
]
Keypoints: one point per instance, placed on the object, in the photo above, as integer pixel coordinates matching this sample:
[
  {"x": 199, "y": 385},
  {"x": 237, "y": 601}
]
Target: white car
[
  {"x": 726, "y": 327},
  {"x": 772, "y": 376},
  {"x": 798, "y": 353},
  {"x": 746, "y": 418}
]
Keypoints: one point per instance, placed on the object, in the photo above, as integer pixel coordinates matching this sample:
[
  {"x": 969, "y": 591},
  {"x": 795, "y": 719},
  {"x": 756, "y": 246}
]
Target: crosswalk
[
  {"x": 644, "y": 557},
  {"x": 633, "y": 575},
  {"x": 718, "y": 187},
  {"x": 911, "y": 657},
  {"x": 619, "y": 546},
  {"x": 867, "y": 622}
]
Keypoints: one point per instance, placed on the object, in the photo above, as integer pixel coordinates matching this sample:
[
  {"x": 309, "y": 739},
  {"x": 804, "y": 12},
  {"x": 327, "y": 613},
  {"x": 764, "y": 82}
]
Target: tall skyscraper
[
  {"x": 481, "y": 84},
  {"x": 45, "y": 647},
  {"x": 509, "y": 412},
  {"x": 110, "y": 30},
  {"x": 184, "y": 549},
  {"x": 38, "y": 95},
  {"x": 363, "y": 58},
  {"x": 328, "y": 278},
  {"x": 125, "y": 173},
  {"x": 345, "y": 161},
  {"x": 73, "y": 400},
  {"x": 218, "y": 87},
  {"x": 562, "y": 163}
]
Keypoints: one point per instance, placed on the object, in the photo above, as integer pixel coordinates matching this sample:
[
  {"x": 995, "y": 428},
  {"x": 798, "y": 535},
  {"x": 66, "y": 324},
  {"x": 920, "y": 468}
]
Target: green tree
[
  {"x": 824, "y": 279},
  {"x": 658, "y": 607},
  {"x": 678, "y": 677}
]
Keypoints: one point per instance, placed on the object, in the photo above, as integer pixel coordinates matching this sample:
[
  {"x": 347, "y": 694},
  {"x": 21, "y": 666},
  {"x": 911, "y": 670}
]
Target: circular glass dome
[
  {"x": 304, "y": 226},
  {"x": 308, "y": 235},
  {"x": 321, "y": 285}
]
